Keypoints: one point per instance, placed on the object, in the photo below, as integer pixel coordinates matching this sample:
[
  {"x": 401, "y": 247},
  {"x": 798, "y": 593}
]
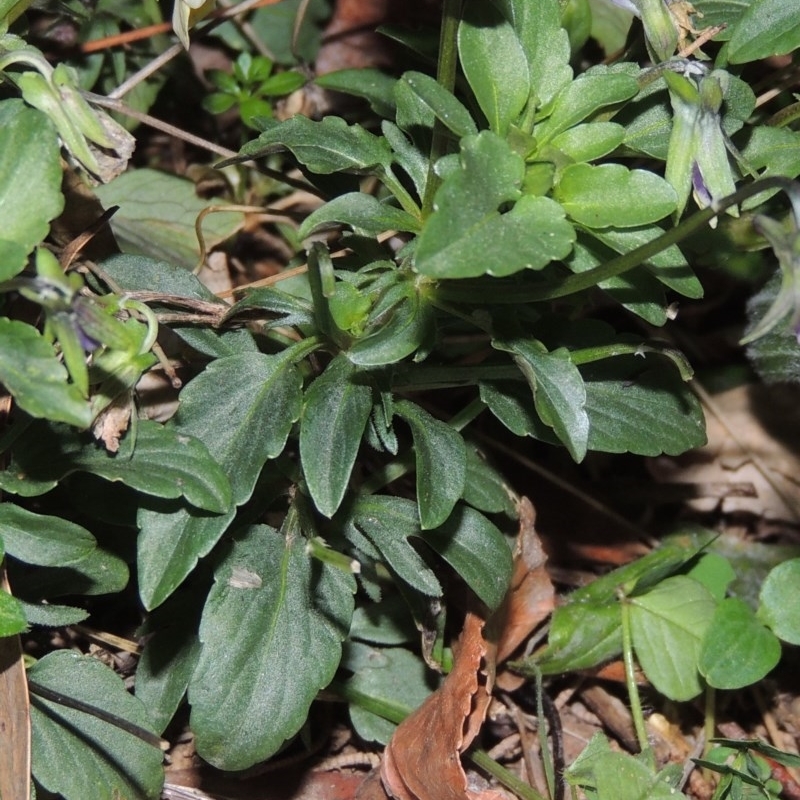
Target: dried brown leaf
[
  {"x": 531, "y": 596},
  {"x": 422, "y": 761}
]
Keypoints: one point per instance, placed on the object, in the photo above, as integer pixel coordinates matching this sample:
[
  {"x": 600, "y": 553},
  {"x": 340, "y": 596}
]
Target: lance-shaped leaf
[
  {"x": 544, "y": 41},
  {"x": 335, "y": 413},
  {"x": 75, "y": 562},
  {"x": 271, "y": 638},
  {"x": 444, "y": 105},
  {"x": 364, "y": 213},
  {"x": 460, "y": 237},
  {"x": 328, "y": 146},
  {"x": 78, "y": 754},
  {"x": 581, "y": 98},
  {"x": 501, "y": 85},
  {"x": 559, "y": 394},
  {"x": 441, "y": 461},
  {"x": 477, "y": 551},
  {"x": 242, "y": 428}
]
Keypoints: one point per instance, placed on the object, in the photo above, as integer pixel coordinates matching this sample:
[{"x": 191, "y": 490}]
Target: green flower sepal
[{"x": 697, "y": 159}]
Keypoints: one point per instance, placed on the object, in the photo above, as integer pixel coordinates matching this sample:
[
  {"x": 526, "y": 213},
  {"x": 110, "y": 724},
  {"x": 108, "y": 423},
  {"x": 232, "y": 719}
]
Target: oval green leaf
[
  {"x": 612, "y": 195},
  {"x": 271, "y": 638},
  {"x": 778, "y": 605},
  {"x": 737, "y": 650}
]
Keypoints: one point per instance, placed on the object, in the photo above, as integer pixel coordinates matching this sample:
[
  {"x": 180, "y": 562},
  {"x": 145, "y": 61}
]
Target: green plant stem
[
  {"x": 710, "y": 718},
  {"x": 525, "y": 791},
  {"x": 785, "y": 116},
  {"x": 630, "y": 676},
  {"x": 446, "y": 77},
  {"x": 515, "y": 292}
]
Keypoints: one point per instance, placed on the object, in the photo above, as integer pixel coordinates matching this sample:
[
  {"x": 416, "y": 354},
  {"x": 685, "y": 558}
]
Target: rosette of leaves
[{"x": 251, "y": 87}]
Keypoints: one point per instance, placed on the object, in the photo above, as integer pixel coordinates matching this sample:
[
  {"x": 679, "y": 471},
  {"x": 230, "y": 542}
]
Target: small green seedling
[{"x": 251, "y": 82}]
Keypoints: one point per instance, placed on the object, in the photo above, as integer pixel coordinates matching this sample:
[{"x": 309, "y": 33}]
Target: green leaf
[
  {"x": 771, "y": 151},
  {"x": 409, "y": 156},
  {"x": 162, "y": 463},
  {"x": 612, "y": 195},
  {"x": 79, "y": 755},
  {"x": 558, "y": 390},
  {"x": 586, "y": 631},
  {"x": 157, "y": 216},
  {"x": 288, "y": 309},
  {"x": 44, "y": 540},
  {"x": 441, "y": 463},
  {"x": 590, "y": 140},
  {"x": 767, "y": 28},
  {"x": 271, "y": 638},
  {"x": 477, "y": 551},
  {"x": 544, "y": 42},
  {"x": 335, "y": 415},
  {"x": 581, "y": 98},
  {"x": 250, "y": 422},
  {"x": 624, "y": 777},
  {"x": 169, "y": 657},
  {"x": 510, "y": 402},
  {"x": 282, "y": 84},
  {"x": 460, "y": 238},
  {"x": 52, "y": 615},
  {"x": 501, "y": 85},
  {"x": 645, "y": 411},
  {"x": 371, "y": 84},
  {"x": 668, "y": 265},
  {"x": 485, "y": 488},
  {"x": 391, "y": 676},
  {"x": 364, "y": 213},
  {"x": 33, "y": 375},
  {"x": 668, "y": 625},
  {"x": 325, "y": 147},
  {"x": 30, "y": 193},
  {"x": 388, "y": 522},
  {"x": 13, "y": 619},
  {"x": 580, "y": 638},
  {"x": 242, "y": 428},
  {"x": 777, "y": 606},
  {"x": 737, "y": 650},
  {"x": 714, "y": 572},
  {"x": 443, "y": 104},
  {"x": 388, "y": 621},
  {"x": 74, "y": 561}
]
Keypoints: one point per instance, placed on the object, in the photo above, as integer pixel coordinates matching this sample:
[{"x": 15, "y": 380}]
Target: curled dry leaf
[
  {"x": 531, "y": 596},
  {"x": 422, "y": 761}
]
